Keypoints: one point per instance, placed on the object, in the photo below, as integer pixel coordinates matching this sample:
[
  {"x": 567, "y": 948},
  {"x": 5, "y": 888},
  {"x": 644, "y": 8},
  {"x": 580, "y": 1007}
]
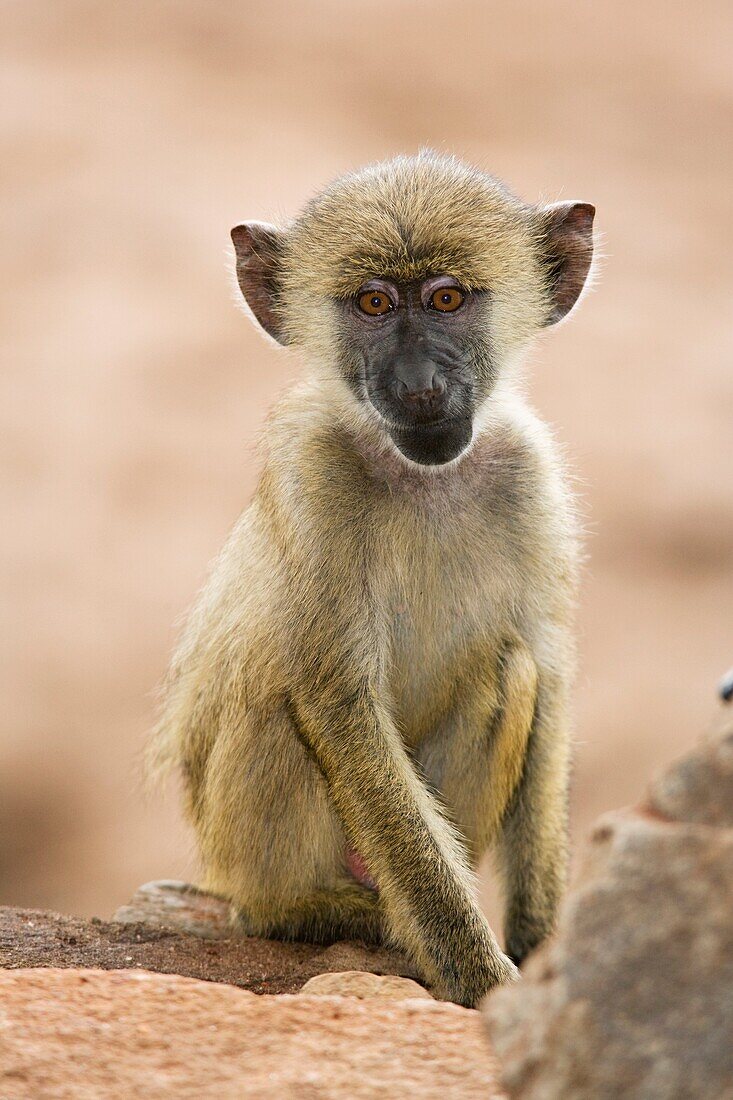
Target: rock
[
  {"x": 700, "y": 787},
  {"x": 86, "y": 1034},
  {"x": 338, "y": 957},
  {"x": 171, "y": 904},
  {"x": 634, "y": 998},
  {"x": 31, "y": 938},
  {"x": 357, "y": 983}
]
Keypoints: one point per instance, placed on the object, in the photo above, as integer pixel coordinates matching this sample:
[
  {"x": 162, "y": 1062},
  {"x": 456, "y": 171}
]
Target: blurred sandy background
[{"x": 133, "y": 136}]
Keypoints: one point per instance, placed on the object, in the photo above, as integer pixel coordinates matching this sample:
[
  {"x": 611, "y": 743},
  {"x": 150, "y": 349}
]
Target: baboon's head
[{"x": 417, "y": 281}]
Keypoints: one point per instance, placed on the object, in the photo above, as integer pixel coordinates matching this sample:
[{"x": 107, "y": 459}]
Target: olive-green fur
[{"x": 381, "y": 656}]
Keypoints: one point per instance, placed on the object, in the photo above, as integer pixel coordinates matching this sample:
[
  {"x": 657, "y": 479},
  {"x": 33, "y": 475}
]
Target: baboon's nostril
[{"x": 421, "y": 396}]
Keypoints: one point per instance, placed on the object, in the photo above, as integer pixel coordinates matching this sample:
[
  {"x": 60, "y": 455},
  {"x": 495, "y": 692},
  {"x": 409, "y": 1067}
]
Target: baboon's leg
[
  {"x": 271, "y": 841},
  {"x": 500, "y": 765},
  {"x": 346, "y": 912},
  {"x": 475, "y": 757},
  {"x": 534, "y": 845}
]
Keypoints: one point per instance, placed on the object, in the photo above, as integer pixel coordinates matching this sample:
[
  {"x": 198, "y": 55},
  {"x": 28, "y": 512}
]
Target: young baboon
[{"x": 372, "y": 688}]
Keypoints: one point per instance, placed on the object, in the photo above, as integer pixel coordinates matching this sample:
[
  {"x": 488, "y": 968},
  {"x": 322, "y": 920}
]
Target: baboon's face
[
  {"x": 418, "y": 281},
  {"x": 412, "y": 350}
]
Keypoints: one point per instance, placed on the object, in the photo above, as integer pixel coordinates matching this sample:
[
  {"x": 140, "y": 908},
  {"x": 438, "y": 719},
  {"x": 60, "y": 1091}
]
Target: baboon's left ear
[
  {"x": 568, "y": 253},
  {"x": 258, "y": 247}
]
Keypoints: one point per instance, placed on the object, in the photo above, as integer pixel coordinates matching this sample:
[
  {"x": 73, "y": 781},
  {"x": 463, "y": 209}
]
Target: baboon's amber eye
[
  {"x": 375, "y": 302},
  {"x": 446, "y": 299}
]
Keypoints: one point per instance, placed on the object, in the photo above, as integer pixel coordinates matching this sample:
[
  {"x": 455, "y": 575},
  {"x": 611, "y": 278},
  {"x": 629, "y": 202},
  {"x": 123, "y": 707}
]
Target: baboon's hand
[{"x": 473, "y": 978}]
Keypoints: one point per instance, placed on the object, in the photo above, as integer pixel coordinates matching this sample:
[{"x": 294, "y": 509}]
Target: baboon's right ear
[{"x": 258, "y": 247}]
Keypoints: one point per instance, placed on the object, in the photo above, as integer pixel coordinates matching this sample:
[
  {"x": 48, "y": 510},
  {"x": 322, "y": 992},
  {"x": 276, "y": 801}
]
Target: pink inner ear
[
  {"x": 581, "y": 216},
  {"x": 570, "y": 245},
  {"x": 257, "y": 247}
]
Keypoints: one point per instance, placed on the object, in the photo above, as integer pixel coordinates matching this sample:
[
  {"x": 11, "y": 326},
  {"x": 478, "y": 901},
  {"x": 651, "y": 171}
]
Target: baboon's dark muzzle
[{"x": 422, "y": 389}]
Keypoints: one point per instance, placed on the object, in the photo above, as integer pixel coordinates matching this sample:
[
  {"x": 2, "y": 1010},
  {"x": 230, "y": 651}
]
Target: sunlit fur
[{"x": 381, "y": 656}]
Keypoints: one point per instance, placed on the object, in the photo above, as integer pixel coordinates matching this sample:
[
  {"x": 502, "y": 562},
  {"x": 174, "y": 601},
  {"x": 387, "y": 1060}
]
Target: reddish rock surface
[
  {"x": 634, "y": 999},
  {"x": 121, "y": 1035}
]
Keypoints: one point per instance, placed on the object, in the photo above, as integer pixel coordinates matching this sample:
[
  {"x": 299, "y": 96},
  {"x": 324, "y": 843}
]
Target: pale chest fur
[{"x": 447, "y": 593}]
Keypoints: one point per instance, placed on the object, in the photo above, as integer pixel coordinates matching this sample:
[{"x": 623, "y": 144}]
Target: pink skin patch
[{"x": 358, "y": 868}]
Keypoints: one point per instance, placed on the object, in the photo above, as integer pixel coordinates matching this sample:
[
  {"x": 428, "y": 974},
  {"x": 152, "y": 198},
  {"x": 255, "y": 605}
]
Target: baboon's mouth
[{"x": 433, "y": 444}]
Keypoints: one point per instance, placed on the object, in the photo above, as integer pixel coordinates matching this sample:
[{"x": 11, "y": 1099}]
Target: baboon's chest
[{"x": 445, "y": 626}]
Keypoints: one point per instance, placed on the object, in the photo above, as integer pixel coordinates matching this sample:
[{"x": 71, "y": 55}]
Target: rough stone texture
[
  {"x": 700, "y": 787},
  {"x": 122, "y": 1035},
  {"x": 357, "y": 983},
  {"x": 31, "y": 938},
  {"x": 171, "y": 904},
  {"x": 634, "y": 998}
]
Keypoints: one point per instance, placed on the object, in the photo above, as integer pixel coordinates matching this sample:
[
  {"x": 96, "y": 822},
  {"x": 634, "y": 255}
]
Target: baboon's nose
[{"x": 422, "y": 395}]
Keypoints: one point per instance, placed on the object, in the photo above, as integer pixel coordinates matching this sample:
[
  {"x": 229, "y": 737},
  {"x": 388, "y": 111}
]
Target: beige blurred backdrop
[{"x": 133, "y": 136}]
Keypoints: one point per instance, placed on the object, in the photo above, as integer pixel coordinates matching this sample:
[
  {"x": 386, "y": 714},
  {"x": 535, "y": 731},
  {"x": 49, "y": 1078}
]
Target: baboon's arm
[{"x": 394, "y": 823}]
